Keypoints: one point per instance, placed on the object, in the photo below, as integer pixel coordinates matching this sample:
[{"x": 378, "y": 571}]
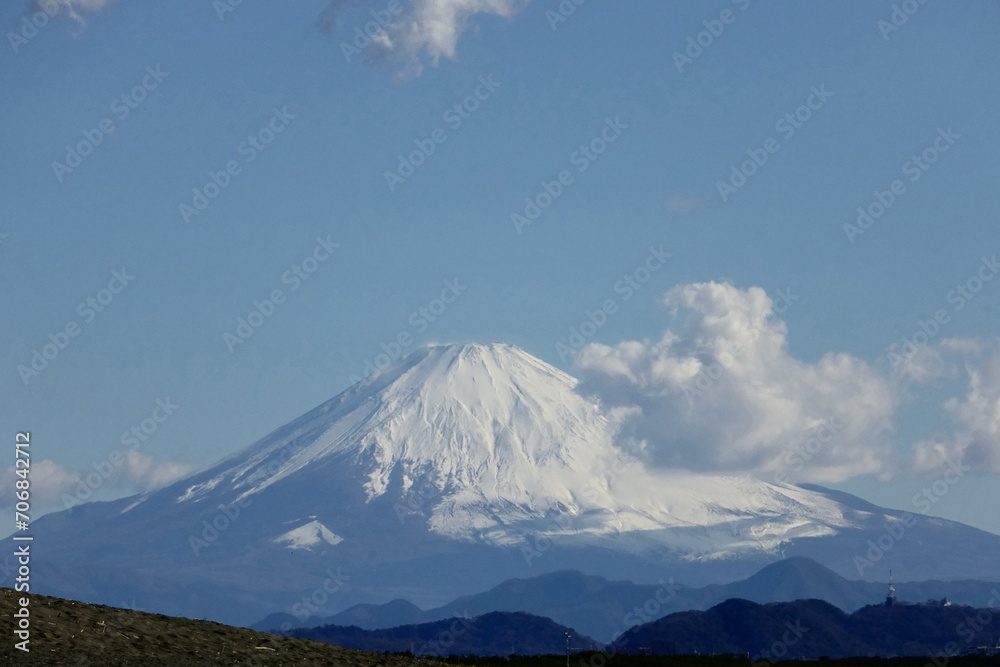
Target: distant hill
[
  {"x": 795, "y": 579},
  {"x": 493, "y": 634},
  {"x": 603, "y": 609},
  {"x": 814, "y": 629},
  {"x": 364, "y": 616}
]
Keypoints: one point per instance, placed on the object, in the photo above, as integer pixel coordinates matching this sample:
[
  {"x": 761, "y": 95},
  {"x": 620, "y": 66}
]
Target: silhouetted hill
[
  {"x": 795, "y": 579},
  {"x": 592, "y": 604},
  {"x": 496, "y": 633},
  {"x": 364, "y": 616},
  {"x": 603, "y": 609},
  {"x": 814, "y": 629}
]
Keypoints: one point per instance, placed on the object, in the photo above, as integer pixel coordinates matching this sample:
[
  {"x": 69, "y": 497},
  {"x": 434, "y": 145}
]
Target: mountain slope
[
  {"x": 455, "y": 468},
  {"x": 490, "y": 443}
]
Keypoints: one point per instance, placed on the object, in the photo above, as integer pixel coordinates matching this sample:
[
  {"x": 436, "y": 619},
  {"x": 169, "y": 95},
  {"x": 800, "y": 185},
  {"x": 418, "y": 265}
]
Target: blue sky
[{"x": 292, "y": 131}]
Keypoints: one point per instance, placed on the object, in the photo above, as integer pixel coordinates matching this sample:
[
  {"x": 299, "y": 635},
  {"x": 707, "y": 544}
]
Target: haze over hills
[
  {"x": 797, "y": 629},
  {"x": 495, "y": 633},
  {"x": 603, "y": 609},
  {"x": 449, "y": 471}
]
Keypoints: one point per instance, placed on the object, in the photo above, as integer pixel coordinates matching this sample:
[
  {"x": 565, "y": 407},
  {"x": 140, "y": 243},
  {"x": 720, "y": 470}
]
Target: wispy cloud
[
  {"x": 144, "y": 472},
  {"x": 49, "y": 480},
  {"x": 55, "y": 486},
  {"x": 974, "y": 437},
  {"x": 329, "y": 18},
  {"x": 426, "y": 29},
  {"x": 684, "y": 203},
  {"x": 71, "y": 9}
]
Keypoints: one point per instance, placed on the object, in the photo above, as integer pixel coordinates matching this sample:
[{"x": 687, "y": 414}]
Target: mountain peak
[
  {"x": 505, "y": 446},
  {"x": 481, "y": 420},
  {"x": 497, "y": 433},
  {"x": 473, "y": 348},
  {"x": 460, "y": 462},
  {"x": 436, "y": 361}
]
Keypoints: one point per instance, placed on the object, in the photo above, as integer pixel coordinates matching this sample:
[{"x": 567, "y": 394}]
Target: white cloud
[
  {"x": 722, "y": 393},
  {"x": 70, "y": 9},
  {"x": 435, "y": 25},
  {"x": 48, "y": 481},
  {"x": 56, "y": 487},
  {"x": 975, "y": 439},
  {"x": 914, "y": 363},
  {"x": 425, "y": 27},
  {"x": 145, "y": 473}
]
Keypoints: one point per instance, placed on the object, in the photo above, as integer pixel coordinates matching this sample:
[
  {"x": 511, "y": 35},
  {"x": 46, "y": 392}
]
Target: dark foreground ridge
[
  {"x": 815, "y": 629},
  {"x": 64, "y": 632},
  {"x": 603, "y": 660}
]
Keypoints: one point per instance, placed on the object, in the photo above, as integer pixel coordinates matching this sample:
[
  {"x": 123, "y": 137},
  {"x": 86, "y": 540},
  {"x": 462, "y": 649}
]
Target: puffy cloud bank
[
  {"x": 722, "y": 393},
  {"x": 974, "y": 437}
]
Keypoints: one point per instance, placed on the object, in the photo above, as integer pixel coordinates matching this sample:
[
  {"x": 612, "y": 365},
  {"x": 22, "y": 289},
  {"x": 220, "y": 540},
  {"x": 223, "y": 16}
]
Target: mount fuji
[{"x": 443, "y": 474}]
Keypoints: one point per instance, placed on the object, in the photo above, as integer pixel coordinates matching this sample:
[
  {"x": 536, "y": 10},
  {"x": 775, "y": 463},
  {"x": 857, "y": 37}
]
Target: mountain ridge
[
  {"x": 459, "y": 467},
  {"x": 815, "y": 629},
  {"x": 601, "y": 608}
]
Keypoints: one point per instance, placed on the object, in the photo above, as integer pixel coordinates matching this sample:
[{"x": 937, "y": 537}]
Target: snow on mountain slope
[
  {"x": 450, "y": 470},
  {"x": 506, "y": 447},
  {"x": 309, "y": 535}
]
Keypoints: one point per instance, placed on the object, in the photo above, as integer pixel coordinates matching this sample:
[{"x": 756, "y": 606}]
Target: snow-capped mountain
[
  {"x": 492, "y": 444},
  {"x": 447, "y": 472}
]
